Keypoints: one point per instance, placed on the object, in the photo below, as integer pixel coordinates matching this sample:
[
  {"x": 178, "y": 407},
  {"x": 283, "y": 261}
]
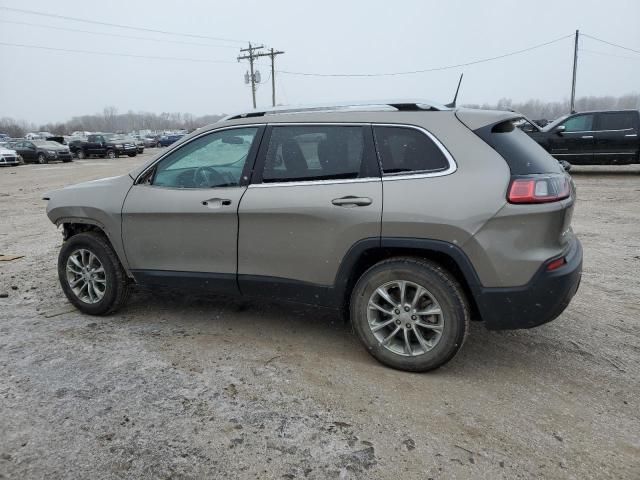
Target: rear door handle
[
  {"x": 216, "y": 202},
  {"x": 351, "y": 201},
  {"x": 587, "y": 136}
]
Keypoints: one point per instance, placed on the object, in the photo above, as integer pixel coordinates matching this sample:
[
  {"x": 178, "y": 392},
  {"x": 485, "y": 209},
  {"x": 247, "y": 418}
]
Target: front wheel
[
  {"x": 42, "y": 159},
  {"x": 410, "y": 314},
  {"x": 81, "y": 155},
  {"x": 91, "y": 275},
  {"x": 111, "y": 154}
]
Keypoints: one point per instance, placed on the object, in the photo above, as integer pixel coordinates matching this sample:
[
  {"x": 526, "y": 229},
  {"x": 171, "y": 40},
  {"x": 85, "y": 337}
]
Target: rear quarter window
[{"x": 523, "y": 154}]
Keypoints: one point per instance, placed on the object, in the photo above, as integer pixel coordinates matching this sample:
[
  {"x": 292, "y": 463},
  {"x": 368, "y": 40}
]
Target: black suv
[{"x": 608, "y": 137}]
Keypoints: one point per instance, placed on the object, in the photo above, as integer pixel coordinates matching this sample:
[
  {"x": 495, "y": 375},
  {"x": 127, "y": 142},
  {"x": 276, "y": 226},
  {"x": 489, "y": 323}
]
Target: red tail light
[{"x": 539, "y": 189}]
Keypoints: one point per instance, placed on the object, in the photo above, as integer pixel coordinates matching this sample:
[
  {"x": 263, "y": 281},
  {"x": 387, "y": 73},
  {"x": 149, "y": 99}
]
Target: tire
[
  {"x": 132, "y": 154},
  {"x": 81, "y": 155},
  {"x": 111, "y": 154},
  {"x": 442, "y": 334},
  {"x": 66, "y": 161},
  {"x": 42, "y": 159},
  {"x": 113, "y": 277}
]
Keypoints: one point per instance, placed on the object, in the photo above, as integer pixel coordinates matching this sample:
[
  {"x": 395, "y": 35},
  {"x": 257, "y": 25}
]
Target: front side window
[
  {"x": 213, "y": 160},
  {"x": 617, "y": 121},
  {"x": 403, "y": 149},
  {"x": 579, "y": 123},
  {"x": 319, "y": 152}
]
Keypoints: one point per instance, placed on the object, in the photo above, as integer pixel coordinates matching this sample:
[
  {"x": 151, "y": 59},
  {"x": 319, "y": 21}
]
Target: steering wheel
[{"x": 206, "y": 177}]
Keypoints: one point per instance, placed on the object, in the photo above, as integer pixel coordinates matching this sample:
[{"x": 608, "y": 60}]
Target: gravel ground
[{"x": 177, "y": 386}]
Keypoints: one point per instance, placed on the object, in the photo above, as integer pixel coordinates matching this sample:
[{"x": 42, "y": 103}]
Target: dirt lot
[{"x": 189, "y": 387}]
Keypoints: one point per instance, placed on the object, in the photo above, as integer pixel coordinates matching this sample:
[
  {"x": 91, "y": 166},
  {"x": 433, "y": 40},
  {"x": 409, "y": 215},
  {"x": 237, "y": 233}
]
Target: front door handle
[
  {"x": 351, "y": 201},
  {"x": 587, "y": 136},
  {"x": 216, "y": 202}
]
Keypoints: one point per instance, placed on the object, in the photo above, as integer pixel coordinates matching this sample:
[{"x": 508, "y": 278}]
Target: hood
[
  {"x": 7, "y": 151},
  {"x": 101, "y": 184}
]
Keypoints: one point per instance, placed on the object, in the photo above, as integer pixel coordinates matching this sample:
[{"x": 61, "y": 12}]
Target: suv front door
[
  {"x": 180, "y": 219},
  {"x": 317, "y": 192},
  {"x": 616, "y": 137},
  {"x": 575, "y": 143}
]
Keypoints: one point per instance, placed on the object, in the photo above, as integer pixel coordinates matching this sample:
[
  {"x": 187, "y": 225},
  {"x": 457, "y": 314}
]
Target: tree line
[{"x": 109, "y": 120}]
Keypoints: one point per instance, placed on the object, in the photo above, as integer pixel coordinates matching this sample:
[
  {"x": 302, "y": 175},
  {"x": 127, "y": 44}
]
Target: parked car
[
  {"x": 151, "y": 141},
  {"x": 9, "y": 157},
  {"x": 42, "y": 151},
  {"x": 103, "y": 145},
  {"x": 166, "y": 140},
  {"x": 603, "y": 137},
  {"x": 475, "y": 221}
]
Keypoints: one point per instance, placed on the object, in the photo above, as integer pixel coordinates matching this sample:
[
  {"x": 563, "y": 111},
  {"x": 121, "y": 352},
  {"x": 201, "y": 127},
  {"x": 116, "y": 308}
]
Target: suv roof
[{"x": 375, "y": 105}]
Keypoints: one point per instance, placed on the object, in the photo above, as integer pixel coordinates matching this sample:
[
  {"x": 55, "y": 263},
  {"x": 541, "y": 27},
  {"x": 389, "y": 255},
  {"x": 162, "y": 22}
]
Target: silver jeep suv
[{"x": 412, "y": 217}]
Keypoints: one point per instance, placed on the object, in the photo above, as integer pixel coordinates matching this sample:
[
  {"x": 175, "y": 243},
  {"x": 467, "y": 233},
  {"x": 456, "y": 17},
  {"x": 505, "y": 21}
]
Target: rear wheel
[
  {"x": 111, "y": 154},
  {"x": 410, "y": 314},
  {"x": 91, "y": 275},
  {"x": 42, "y": 159}
]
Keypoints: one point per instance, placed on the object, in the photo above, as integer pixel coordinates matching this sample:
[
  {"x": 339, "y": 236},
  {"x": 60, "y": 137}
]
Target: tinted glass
[
  {"x": 617, "y": 121},
  {"x": 579, "y": 123},
  {"x": 314, "y": 153},
  {"x": 408, "y": 150},
  {"x": 214, "y": 160},
  {"x": 523, "y": 154}
]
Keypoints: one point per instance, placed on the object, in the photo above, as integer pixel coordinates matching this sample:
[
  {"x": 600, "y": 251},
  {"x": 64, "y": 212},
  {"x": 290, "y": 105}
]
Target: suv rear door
[
  {"x": 316, "y": 192},
  {"x": 616, "y": 137}
]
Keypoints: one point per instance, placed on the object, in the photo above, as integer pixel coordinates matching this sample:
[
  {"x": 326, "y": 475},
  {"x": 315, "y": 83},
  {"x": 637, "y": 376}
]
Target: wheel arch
[
  {"x": 366, "y": 253},
  {"x": 72, "y": 226}
]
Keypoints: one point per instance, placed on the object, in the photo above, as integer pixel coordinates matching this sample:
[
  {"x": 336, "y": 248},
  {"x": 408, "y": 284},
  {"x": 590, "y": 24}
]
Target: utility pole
[
  {"x": 251, "y": 56},
  {"x": 273, "y": 54},
  {"x": 575, "y": 67}
]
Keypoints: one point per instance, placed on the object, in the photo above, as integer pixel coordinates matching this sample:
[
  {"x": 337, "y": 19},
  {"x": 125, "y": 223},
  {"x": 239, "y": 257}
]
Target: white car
[{"x": 9, "y": 157}]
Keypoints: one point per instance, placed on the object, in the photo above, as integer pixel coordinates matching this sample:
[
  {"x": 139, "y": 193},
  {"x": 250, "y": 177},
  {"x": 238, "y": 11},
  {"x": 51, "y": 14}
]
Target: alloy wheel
[
  {"x": 405, "y": 318},
  {"x": 86, "y": 276}
]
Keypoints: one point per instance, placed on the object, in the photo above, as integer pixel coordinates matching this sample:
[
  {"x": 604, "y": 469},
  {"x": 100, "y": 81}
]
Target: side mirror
[{"x": 559, "y": 129}]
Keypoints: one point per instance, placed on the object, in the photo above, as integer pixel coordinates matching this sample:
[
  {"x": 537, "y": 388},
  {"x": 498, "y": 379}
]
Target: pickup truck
[
  {"x": 603, "y": 137},
  {"x": 103, "y": 145}
]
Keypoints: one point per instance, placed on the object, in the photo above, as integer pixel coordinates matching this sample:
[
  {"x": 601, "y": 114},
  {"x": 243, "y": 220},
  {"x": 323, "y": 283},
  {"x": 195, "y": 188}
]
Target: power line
[
  {"x": 91, "y": 52},
  {"x": 605, "y": 54},
  {"x": 116, "y": 35},
  {"x": 130, "y": 27},
  {"x": 434, "y": 69},
  {"x": 610, "y": 43}
]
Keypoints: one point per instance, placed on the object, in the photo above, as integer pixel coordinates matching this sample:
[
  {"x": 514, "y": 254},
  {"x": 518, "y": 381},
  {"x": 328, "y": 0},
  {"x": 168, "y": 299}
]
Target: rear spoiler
[{"x": 475, "y": 119}]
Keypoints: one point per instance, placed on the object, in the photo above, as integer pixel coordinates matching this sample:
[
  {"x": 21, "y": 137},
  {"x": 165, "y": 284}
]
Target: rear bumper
[{"x": 543, "y": 299}]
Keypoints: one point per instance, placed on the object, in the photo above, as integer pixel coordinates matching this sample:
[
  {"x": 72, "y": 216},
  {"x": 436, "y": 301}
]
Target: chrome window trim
[
  {"x": 453, "y": 166},
  {"x": 303, "y": 183},
  {"x": 180, "y": 145}
]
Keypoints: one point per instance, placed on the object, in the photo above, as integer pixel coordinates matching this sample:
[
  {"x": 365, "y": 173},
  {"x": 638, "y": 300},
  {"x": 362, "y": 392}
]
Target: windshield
[{"x": 48, "y": 144}]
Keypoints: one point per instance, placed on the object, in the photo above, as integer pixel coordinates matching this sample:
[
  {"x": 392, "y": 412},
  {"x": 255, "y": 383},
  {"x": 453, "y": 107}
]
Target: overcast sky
[{"x": 366, "y": 36}]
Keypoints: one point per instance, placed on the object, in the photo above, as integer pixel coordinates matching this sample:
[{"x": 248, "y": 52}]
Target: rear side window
[
  {"x": 317, "y": 152},
  {"x": 523, "y": 155},
  {"x": 404, "y": 149},
  {"x": 616, "y": 121}
]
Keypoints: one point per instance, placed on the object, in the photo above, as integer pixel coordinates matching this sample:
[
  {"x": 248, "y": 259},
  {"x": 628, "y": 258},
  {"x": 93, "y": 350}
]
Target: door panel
[
  {"x": 616, "y": 137},
  {"x": 302, "y": 231},
  {"x": 185, "y": 230},
  {"x": 576, "y": 143}
]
